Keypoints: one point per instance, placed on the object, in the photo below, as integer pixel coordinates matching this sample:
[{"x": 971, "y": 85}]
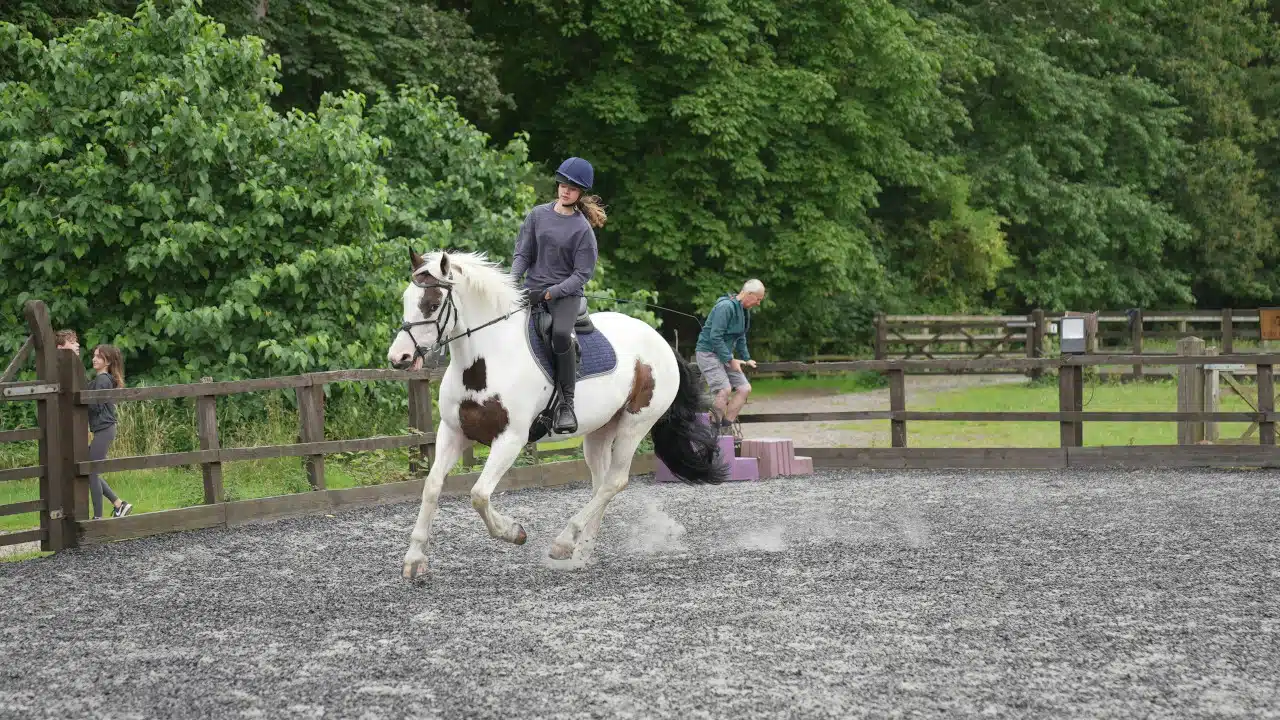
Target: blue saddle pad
[{"x": 598, "y": 357}]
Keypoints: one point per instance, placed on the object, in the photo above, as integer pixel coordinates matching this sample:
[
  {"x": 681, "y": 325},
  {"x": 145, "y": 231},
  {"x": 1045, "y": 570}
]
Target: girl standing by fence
[{"x": 109, "y": 366}]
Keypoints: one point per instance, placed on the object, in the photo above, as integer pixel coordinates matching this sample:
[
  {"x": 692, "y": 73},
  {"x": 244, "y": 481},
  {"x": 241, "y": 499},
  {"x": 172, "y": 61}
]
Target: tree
[
  {"x": 154, "y": 198},
  {"x": 1074, "y": 156},
  {"x": 370, "y": 46},
  {"x": 739, "y": 139},
  {"x": 328, "y": 46}
]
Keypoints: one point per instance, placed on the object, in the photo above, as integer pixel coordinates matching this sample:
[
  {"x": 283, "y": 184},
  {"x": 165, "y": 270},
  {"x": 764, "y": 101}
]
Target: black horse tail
[{"x": 686, "y": 446}]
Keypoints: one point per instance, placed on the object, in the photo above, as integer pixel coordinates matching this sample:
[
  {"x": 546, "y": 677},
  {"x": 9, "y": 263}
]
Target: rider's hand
[
  {"x": 534, "y": 296},
  {"x": 752, "y": 363}
]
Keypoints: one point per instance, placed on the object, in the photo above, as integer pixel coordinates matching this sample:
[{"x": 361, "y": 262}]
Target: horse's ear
[
  {"x": 444, "y": 266},
  {"x": 415, "y": 260}
]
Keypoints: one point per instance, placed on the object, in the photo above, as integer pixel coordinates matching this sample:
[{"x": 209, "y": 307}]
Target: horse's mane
[{"x": 481, "y": 278}]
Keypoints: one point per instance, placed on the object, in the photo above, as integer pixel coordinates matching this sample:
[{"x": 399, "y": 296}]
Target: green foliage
[
  {"x": 1074, "y": 160},
  {"x": 738, "y": 139},
  {"x": 446, "y": 186},
  {"x": 370, "y": 46},
  {"x": 856, "y": 155},
  {"x": 154, "y": 199},
  {"x": 327, "y": 46}
]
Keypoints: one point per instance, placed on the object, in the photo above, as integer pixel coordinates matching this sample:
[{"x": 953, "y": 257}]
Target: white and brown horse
[{"x": 494, "y": 388}]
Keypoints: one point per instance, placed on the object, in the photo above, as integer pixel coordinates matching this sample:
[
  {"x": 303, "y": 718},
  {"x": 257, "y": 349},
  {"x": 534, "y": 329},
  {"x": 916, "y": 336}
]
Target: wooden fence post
[
  {"x": 898, "y": 403},
  {"x": 1266, "y": 404},
  {"x": 1190, "y": 391},
  {"x": 1228, "y": 332},
  {"x": 1211, "y": 398},
  {"x": 73, "y": 424},
  {"x": 1035, "y": 341},
  {"x": 207, "y": 429},
  {"x": 421, "y": 457},
  {"x": 1135, "y": 334},
  {"x": 311, "y": 429},
  {"x": 1071, "y": 399},
  {"x": 882, "y": 337},
  {"x": 53, "y": 519}
]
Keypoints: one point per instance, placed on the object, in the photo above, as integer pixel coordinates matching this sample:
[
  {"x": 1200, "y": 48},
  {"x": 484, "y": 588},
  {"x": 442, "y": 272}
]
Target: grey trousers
[{"x": 98, "y": 451}]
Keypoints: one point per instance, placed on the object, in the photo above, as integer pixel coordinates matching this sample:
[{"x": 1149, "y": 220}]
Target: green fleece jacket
[{"x": 726, "y": 330}]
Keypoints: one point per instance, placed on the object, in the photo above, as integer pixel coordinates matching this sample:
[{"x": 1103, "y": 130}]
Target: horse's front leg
[
  {"x": 502, "y": 454},
  {"x": 630, "y": 433},
  {"x": 450, "y": 444}
]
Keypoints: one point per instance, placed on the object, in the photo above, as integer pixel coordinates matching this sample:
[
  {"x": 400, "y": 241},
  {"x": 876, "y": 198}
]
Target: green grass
[
  {"x": 1098, "y": 397},
  {"x": 826, "y": 384},
  {"x": 22, "y": 556}
]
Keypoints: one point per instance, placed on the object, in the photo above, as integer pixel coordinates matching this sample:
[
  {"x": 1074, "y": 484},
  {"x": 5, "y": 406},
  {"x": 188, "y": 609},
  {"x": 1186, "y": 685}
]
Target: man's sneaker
[{"x": 124, "y": 509}]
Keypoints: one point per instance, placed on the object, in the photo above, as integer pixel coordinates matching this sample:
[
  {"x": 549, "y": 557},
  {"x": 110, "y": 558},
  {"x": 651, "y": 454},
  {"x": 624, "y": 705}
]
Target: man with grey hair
[{"x": 725, "y": 333}]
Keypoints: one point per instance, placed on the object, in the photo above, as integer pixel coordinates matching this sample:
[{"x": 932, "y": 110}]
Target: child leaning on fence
[
  {"x": 67, "y": 340},
  {"x": 108, "y": 366}
]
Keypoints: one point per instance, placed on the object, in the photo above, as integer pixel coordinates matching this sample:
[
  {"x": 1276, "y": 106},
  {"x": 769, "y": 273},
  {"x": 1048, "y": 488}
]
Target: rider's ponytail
[{"x": 590, "y": 206}]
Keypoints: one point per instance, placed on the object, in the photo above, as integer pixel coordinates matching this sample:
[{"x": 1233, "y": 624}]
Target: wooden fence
[
  {"x": 939, "y": 337},
  {"x": 1070, "y": 416},
  {"x": 64, "y": 467},
  {"x": 52, "y": 533}
]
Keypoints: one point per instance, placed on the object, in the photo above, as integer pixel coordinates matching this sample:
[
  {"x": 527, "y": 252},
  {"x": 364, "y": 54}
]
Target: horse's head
[{"x": 429, "y": 311}]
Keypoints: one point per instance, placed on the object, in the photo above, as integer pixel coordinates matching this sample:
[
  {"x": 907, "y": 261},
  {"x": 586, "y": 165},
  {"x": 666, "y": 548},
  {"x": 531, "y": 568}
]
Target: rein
[
  {"x": 695, "y": 318},
  {"x": 449, "y": 312}
]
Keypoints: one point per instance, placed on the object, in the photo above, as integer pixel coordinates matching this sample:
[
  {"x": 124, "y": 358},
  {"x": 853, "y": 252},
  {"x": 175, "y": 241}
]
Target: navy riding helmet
[{"x": 577, "y": 172}]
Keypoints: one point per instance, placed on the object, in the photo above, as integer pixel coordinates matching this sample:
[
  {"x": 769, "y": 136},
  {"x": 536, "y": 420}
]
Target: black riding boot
[{"x": 566, "y": 422}]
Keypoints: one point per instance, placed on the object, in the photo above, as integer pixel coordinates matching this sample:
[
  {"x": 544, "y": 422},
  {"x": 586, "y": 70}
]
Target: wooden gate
[
  {"x": 52, "y": 533},
  {"x": 1260, "y": 398}
]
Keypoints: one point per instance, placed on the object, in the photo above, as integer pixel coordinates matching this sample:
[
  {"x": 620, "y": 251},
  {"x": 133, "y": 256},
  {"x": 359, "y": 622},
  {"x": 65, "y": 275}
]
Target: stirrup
[{"x": 570, "y": 427}]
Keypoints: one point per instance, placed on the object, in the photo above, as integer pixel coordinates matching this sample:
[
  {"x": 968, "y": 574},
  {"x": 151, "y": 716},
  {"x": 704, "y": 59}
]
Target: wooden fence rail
[
  {"x": 938, "y": 337},
  {"x": 64, "y": 467},
  {"x": 311, "y": 445},
  {"x": 1070, "y": 415}
]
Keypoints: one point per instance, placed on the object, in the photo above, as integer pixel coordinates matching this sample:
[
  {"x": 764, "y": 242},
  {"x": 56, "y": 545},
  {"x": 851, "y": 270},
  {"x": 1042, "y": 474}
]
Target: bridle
[{"x": 444, "y": 318}]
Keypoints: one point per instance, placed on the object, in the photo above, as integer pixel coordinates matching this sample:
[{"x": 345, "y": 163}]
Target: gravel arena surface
[{"x": 844, "y": 594}]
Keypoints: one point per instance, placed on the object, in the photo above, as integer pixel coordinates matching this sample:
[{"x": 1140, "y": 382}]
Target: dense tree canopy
[
  {"x": 856, "y": 155},
  {"x": 151, "y": 195}
]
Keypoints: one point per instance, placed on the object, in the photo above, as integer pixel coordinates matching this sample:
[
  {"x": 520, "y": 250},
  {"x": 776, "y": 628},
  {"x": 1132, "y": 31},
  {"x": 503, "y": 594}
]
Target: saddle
[{"x": 581, "y": 326}]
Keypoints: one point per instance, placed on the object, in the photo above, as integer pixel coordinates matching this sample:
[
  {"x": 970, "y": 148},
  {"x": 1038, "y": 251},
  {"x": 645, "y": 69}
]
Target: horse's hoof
[
  {"x": 561, "y": 551},
  {"x": 520, "y": 535},
  {"x": 415, "y": 569}
]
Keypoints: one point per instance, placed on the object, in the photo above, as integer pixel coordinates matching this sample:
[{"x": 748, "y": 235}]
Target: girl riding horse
[{"x": 556, "y": 256}]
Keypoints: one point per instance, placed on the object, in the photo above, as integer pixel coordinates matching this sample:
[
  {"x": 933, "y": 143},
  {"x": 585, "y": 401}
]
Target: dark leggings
[
  {"x": 564, "y": 313},
  {"x": 98, "y": 451}
]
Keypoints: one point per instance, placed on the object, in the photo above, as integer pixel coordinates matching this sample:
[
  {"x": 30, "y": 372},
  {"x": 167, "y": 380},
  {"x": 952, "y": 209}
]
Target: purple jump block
[
  {"x": 803, "y": 465},
  {"x": 745, "y": 468},
  {"x": 774, "y": 455},
  {"x": 725, "y": 443}
]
